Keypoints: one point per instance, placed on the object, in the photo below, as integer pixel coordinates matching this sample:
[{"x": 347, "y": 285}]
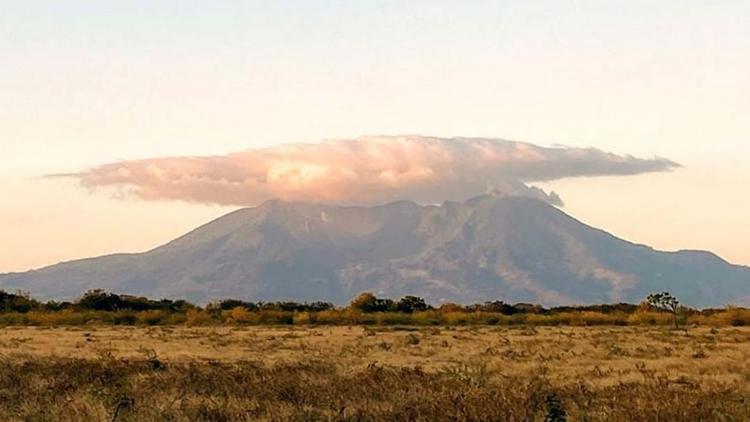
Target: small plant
[
  {"x": 412, "y": 340},
  {"x": 152, "y": 359},
  {"x": 700, "y": 354},
  {"x": 384, "y": 345},
  {"x": 123, "y": 403},
  {"x": 555, "y": 411}
]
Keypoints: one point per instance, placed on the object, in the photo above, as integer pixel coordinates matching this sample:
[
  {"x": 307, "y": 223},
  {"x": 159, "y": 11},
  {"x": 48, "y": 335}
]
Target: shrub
[
  {"x": 411, "y": 339},
  {"x": 275, "y": 317},
  {"x": 13, "y": 318},
  {"x": 303, "y": 318},
  {"x": 456, "y": 318},
  {"x": 124, "y": 318},
  {"x": 426, "y": 318},
  {"x": 241, "y": 315},
  {"x": 731, "y": 316},
  {"x": 229, "y": 304},
  {"x": 450, "y": 307},
  {"x": 392, "y": 318},
  {"x": 197, "y": 317},
  {"x": 150, "y": 317},
  {"x": 649, "y": 318}
]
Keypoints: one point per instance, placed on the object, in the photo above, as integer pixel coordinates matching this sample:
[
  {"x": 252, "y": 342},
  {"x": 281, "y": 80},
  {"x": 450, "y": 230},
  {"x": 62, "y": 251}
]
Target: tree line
[
  {"x": 101, "y": 300},
  {"x": 99, "y": 306}
]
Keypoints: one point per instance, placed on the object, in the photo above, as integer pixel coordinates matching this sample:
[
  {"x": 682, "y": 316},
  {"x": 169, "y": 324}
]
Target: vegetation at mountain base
[{"x": 100, "y": 307}]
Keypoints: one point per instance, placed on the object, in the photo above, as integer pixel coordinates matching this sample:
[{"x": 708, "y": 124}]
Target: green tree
[
  {"x": 664, "y": 301},
  {"x": 365, "y": 302},
  {"x": 409, "y": 304},
  {"x": 368, "y": 302},
  {"x": 17, "y": 302}
]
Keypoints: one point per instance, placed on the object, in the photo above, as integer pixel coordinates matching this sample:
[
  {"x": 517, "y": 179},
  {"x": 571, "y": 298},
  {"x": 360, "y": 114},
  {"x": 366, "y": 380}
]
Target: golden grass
[
  {"x": 431, "y": 373},
  {"x": 729, "y": 317}
]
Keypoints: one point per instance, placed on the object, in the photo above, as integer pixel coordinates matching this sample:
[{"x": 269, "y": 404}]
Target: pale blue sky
[{"x": 87, "y": 82}]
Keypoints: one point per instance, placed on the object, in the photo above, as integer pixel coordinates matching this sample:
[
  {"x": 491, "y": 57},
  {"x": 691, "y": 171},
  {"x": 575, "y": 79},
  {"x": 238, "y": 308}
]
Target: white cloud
[{"x": 366, "y": 170}]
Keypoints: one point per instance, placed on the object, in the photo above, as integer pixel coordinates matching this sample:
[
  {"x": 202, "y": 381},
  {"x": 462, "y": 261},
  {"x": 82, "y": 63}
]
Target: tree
[
  {"x": 664, "y": 301},
  {"x": 368, "y": 302},
  {"x": 99, "y": 300},
  {"x": 17, "y": 302},
  {"x": 365, "y": 302},
  {"x": 409, "y": 304}
]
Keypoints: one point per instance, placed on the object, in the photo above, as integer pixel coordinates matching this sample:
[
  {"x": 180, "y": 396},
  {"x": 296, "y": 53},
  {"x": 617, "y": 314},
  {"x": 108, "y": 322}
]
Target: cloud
[{"x": 366, "y": 170}]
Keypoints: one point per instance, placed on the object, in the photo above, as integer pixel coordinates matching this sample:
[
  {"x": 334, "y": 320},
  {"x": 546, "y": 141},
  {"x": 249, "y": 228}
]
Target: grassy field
[{"x": 376, "y": 373}]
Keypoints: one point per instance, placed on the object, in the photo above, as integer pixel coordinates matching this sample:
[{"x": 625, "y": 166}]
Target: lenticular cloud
[{"x": 365, "y": 170}]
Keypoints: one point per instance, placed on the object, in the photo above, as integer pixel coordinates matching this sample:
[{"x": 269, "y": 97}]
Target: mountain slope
[{"x": 487, "y": 248}]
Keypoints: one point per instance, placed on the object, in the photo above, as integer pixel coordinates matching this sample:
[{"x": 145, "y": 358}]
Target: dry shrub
[
  {"x": 450, "y": 307},
  {"x": 426, "y": 318},
  {"x": 328, "y": 317},
  {"x": 273, "y": 317},
  {"x": 13, "y": 318},
  {"x": 198, "y": 317},
  {"x": 68, "y": 317},
  {"x": 240, "y": 315},
  {"x": 447, "y": 315},
  {"x": 392, "y": 318},
  {"x": 535, "y": 319},
  {"x": 151, "y": 317},
  {"x": 456, "y": 318},
  {"x": 649, "y": 318},
  {"x": 730, "y": 317},
  {"x": 590, "y": 318},
  {"x": 303, "y": 318}
]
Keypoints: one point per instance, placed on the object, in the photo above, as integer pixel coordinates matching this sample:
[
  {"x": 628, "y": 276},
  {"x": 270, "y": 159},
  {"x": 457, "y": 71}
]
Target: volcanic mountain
[{"x": 491, "y": 247}]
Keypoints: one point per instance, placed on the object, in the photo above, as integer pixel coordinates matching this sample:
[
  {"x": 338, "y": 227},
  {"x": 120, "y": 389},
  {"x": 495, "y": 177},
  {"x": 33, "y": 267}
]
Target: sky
[{"x": 86, "y": 84}]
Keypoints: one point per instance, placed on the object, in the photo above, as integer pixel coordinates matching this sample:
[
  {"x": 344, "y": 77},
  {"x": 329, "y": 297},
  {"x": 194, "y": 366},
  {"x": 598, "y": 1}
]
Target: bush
[
  {"x": 729, "y": 317},
  {"x": 303, "y": 318},
  {"x": 456, "y": 318},
  {"x": 427, "y": 318},
  {"x": 99, "y": 300},
  {"x": 13, "y": 318},
  {"x": 124, "y": 318},
  {"x": 150, "y": 317},
  {"x": 649, "y": 318},
  {"x": 392, "y": 318},
  {"x": 198, "y": 317},
  {"x": 241, "y": 315}
]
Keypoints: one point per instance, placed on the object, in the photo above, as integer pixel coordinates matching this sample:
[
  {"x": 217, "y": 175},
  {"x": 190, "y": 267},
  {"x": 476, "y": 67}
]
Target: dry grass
[{"x": 378, "y": 373}]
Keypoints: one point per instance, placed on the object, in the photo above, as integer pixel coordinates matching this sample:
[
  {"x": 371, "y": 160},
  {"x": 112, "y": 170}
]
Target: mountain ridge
[{"x": 490, "y": 247}]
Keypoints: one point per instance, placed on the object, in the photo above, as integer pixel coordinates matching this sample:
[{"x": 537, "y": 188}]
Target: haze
[{"x": 86, "y": 84}]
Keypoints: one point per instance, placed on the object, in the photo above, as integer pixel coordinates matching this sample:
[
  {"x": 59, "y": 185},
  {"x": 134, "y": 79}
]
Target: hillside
[{"x": 490, "y": 247}]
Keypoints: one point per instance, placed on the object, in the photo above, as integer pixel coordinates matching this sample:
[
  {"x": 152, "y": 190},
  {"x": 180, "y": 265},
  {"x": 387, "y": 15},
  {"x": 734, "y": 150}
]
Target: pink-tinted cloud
[{"x": 365, "y": 170}]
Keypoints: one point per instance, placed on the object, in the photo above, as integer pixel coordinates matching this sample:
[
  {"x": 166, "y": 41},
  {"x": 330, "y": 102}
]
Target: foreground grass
[
  {"x": 65, "y": 389},
  {"x": 387, "y": 373}
]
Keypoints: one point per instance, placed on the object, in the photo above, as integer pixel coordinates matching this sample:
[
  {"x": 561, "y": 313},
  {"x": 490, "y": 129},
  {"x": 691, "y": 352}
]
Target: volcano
[{"x": 491, "y": 247}]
